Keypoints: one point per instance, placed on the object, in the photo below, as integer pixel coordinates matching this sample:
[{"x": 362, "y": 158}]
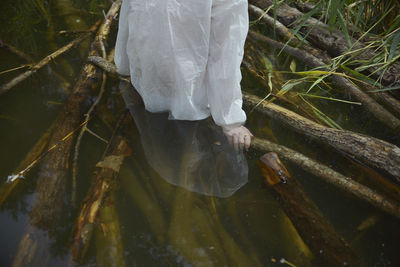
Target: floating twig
[{"x": 13, "y": 177}]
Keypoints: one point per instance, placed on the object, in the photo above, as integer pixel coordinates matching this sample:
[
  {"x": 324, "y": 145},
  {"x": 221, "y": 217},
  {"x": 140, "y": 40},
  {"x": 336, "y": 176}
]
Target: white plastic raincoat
[{"x": 184, "y": 56}]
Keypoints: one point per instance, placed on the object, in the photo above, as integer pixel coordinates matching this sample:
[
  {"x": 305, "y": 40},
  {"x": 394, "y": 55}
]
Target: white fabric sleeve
[
  {"x": 121, "y": 57},
  {"x": 229, "y": 27}
]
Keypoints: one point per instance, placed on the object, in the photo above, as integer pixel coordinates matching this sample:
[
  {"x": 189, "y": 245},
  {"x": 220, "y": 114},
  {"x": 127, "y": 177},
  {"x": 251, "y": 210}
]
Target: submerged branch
[
  {"x": 20, "y": 175},
  {"x": 85, "y": 128},
  {"x": 368, "y": 150},
  {"x": 105, "y": 175},
  {"x": 6, "y": 87},
  {"x": 330, "y": 176},
  {"x": 16, "y": 51},
  {"x": 51, "y": 185},
  {"x": 329, "y": 248},
  {"x": 54, "y": 170}
]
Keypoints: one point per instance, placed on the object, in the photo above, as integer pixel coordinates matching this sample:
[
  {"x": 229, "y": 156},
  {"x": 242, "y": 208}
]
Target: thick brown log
[
  {"x": 334, "y": 43},
  {"x": 330, "y": 176},
  {"x": 303, "y": 6},
  {"x": 34, "y": 246},
  {"x": 51, "y": 184},
  {"x": 55, "y": 169},
  {"x": 368, "y": 150},
  {"x": 104, "y": 182},
  {"x": 370, "y": 104},
  {"x": 285, "y": 33},
  {"x": 329, "y": 248},
  {"x": 386, "y": 99}
]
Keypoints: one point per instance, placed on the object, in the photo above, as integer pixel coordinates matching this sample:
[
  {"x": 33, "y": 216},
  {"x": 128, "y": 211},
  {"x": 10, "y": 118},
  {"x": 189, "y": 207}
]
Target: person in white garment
[{"x": 184, "y": 58}]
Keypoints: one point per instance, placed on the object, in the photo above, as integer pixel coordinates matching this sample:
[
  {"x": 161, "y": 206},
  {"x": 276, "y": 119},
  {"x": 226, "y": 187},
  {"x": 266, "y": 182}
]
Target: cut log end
[{"x": 273, "y": 169}]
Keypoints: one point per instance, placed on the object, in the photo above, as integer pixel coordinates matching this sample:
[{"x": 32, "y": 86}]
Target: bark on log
[
  {"x": 327, "y": 245},
  {"x": 386, "y": 99},
  {"x": 54, "y": 170},
  {"x": 285, "y": 33},
  {"x": 368, "y": 150},
  {"x": 51, "y": 184},
  {"x": 370, "y": 104},
  {"x": 303, "y": 6},
  {"x": 330, "y": 176},
  {"x": 105, "y": 175},
  {"x": 334, "y": 43}
]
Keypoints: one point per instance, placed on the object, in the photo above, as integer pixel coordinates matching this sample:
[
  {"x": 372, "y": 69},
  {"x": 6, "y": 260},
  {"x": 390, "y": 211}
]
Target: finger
[
  {"x": 251, "y": 135},
  {"x": 236, "y": 141},
  {"x": 247, "y": 142},
  {"x": 242, "y": 138},
  {"x": 230, "y": 139}
]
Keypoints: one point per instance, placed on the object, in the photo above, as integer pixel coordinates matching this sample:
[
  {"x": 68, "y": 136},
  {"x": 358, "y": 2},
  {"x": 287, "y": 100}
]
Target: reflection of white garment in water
[
  {"x": 188, "y": 154},
  {"x": 184, "y": 56}
]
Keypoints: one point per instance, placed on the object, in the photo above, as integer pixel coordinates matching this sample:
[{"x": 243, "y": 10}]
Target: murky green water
[{"x": 182, "y": 198}]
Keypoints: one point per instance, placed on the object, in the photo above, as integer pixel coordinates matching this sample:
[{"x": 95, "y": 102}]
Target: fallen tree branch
[
  {"x": 368, "y": 150},
  {"x": 105, "y": 175},
  {"x": 286, "y": 34},
  {"x": 6, "y": 87},
  {"x": 328, "y": 247},
  {"x": 333, "y": 42},
  {"x": 108, "y": 238},
  {"x": 85, "y": 128},
  {"x": 51, "y": 184},
  {"x": 55, "y": 169},
  {"x": 330, "y": 176},
  {"x": 386, "y": 99},
  {"x": 371, "y": 105}
]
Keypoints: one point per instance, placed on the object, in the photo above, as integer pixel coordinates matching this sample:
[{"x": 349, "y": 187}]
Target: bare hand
[{"x": 239, "y": 137}]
